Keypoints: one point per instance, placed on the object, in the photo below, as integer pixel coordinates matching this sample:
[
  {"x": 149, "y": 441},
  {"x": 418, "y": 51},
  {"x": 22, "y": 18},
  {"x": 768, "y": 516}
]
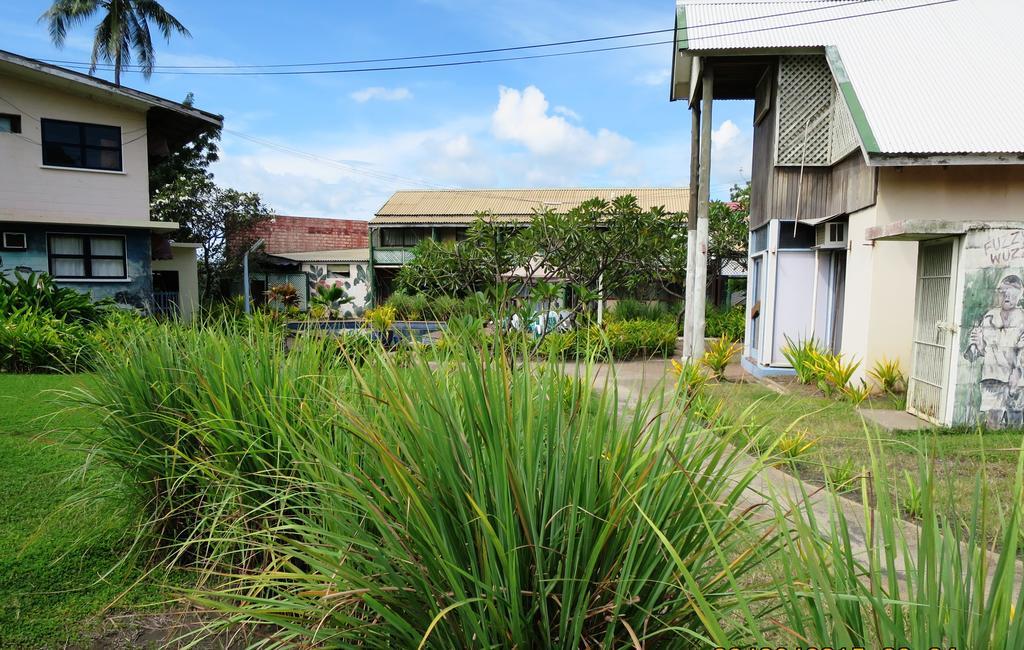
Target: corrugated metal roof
[
  {"x": 932, "y": 76},
  {"x": 343, "y": 255},
  {"x": 460, "y": 206}
]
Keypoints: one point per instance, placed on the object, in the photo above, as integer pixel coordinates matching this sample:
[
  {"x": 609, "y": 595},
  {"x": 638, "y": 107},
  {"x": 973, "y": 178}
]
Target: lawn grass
[
  {"x": 52, "y": 560},
  {"x": 841, "y": 436}
]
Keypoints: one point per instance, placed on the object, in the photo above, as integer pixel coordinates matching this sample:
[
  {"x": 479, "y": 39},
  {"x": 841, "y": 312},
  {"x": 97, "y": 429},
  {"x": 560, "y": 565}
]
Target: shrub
[
  {"x": 473, "y": 505},
  {"x": 381, "y": 318},
  {"x": 445, "y": 308},
  {"x": 719, "y": 354},
  {"x": 408, "y": 307},
  {"x": 37, "y": 341},
  {"x": 729, "y": 323},
  {"x": 889, "y": 375},
  {"x": 284, "y": 295},
  {"x": 39, "y": 294},
  {"x": 794, "y": 444},
  {"x": 629, "y": 310},
  {"x": 802, "y": 356},
  {"x": 834, "y": 374}
]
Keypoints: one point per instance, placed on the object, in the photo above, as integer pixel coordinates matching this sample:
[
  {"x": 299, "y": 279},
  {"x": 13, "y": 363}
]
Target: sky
[{"x": 600, "y": 119}]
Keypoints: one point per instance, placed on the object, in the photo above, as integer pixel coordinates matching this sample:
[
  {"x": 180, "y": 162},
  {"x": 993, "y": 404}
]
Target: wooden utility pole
[
  {"x": 700, "y": 260},
  {"x": 691, "y": 228}
]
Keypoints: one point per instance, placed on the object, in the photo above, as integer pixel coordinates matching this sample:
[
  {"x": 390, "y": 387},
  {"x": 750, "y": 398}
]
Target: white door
[
  {"x": 933, "y": 329},
  {"x": 794, "y": 301}
]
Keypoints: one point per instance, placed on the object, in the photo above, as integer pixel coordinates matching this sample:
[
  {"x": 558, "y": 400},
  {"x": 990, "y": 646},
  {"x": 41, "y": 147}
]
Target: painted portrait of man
[{"x": 998, "y": 340}]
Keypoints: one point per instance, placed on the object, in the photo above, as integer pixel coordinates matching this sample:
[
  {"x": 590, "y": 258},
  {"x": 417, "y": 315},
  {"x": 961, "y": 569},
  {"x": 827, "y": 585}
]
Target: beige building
[
  {"x": 887, "y": 196},
  {"x": 75, "y": 154}
]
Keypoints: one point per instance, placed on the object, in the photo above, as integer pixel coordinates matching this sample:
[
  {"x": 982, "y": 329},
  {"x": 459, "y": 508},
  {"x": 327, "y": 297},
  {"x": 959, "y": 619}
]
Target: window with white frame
[
  {"x": 88, "y": 256},
  {"x": 15, "y": 241}
]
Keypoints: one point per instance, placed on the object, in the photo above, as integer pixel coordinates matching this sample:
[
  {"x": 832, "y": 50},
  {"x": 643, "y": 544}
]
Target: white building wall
[
  {"x": 184, "y": 262},
  {"x": 30, "y": 192}
]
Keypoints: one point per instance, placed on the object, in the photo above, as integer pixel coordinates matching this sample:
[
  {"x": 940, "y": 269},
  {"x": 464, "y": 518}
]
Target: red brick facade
[{"x": 301, "y": 234}]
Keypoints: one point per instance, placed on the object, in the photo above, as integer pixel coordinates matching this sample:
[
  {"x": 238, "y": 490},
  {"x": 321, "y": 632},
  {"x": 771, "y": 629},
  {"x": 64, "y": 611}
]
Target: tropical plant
[
  {"x": 729, "y": 322},
  {"x": 284, "y": 295},
  {"x": 834, "y": 374},
  {"x": 938, "y": 580},
  {"x": 841, "y": 477},
  {"x": 719, "y": 355},
  {"x": 889, "y": 375},
  {"x": 380, "y": 318},
  {"x": 122, "y": 30},
  {"x": 330, "y": 298},
  {"x": 40, "y": 294},
  {"x": 801, "y": 356},
  {"x": 856, "y": 394},
  {"x": 794, "y": 444}
]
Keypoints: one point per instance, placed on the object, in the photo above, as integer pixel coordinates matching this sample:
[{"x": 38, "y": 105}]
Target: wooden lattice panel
[
  {"x": 844, "y": 135},
  {"x": 806, "y": 96}
]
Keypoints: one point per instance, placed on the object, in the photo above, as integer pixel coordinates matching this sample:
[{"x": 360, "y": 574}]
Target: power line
[
  {"x": 464, "y": 53},
  {"x": 266, "y": 69}
]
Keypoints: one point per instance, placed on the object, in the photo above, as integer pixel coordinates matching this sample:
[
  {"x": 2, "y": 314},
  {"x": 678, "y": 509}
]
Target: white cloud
[
  {"x": 731, "y": 150},
  {"x": 654, "y": 78},
  {"x": 568, "y": 112},
  {"x": 522, "y": 117},
  {"x": 382, "y": 94}
]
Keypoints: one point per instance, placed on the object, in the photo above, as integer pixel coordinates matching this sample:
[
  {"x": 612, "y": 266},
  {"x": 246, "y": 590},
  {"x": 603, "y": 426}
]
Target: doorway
[{"x": 933, "y": 330}]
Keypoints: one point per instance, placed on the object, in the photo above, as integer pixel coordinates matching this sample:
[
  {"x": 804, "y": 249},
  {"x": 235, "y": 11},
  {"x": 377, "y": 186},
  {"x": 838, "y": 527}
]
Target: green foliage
[
  {"x": 409, "y": 307},
  {"x": 719, "y": 354},
  {"x": 34, "y": 341},
  {"x": 629, "y": 309},
  {"x": 620, "y": 340},
  {"x": 889, "y": 375},
  {"x": 473, "y": 504},
  {"x": 381, "y": 318},
  {"x": 729, "y": 323},
  {"x": 38, "y": 293},
  {"x": 828, "y": 371},
  {"x": 938, "y": 580},
  {"x": 841, "y": 478},
  {"x": 123, "y": 29},
  {"x": 801, "y": 356},
  {"x": 329, "y": 298},
  {"x": 794, "y": 444}
]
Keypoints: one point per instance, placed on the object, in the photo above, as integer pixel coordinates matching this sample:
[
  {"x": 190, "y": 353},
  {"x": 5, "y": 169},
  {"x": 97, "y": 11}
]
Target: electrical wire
[
  {"x": 463, "y": 53},
  {"x": 686, "y": 31}
]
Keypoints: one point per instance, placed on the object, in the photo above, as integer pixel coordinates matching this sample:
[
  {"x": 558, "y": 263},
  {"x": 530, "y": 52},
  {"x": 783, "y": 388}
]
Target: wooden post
[
  {"x": 691, "y": 229},
  {"x": 700, "y": 275}
]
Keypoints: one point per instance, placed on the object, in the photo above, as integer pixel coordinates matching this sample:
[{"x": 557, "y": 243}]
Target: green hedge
[{"x": 623, "y": 340}]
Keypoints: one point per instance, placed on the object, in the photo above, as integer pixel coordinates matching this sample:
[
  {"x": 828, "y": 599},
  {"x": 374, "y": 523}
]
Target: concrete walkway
[{"x": 637, "y": 380}]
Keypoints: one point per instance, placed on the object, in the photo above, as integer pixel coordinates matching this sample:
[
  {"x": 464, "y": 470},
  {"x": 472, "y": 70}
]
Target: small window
[
  {"x": 10, "y": 123},
  {"x": 802, "y": 238},
  {"x": 402, "y": 237},
  {"x": 86, "y": 146},
  {"x": 15, "y": 241},
  {"x": 86, "y": 256},
  {"x": 338, "y": 269}
]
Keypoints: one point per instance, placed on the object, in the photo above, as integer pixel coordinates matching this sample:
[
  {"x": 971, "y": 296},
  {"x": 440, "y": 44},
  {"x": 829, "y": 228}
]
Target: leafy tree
[
  {"x": 122, "y": 30},
  {"x": 192, "y": 160},
  {"x": 211, "y": 216}
]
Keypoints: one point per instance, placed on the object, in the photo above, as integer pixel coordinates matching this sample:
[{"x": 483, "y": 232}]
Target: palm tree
[{"x": 124, "y": 27}]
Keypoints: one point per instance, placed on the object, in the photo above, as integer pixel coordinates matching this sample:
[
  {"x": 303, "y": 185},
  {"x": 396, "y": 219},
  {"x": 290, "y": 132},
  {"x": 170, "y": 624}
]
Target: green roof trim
[
  {"x": 682, "y": 38},
  {"x": 860, "y": 118}
]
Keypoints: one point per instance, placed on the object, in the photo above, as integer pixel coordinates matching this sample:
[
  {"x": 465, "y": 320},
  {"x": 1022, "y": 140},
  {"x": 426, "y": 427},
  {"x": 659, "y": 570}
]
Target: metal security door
[{"x": 933, "y": 330}]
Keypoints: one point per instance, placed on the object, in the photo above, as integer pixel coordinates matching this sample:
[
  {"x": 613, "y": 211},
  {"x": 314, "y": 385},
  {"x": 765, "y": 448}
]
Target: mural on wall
[
  {"x": 990, "y": 377},
  {"x": 356, "y": 285}
]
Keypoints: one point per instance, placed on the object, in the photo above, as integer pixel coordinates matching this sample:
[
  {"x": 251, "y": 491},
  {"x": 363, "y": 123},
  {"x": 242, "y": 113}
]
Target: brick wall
[{"x": 298, "y": 234}]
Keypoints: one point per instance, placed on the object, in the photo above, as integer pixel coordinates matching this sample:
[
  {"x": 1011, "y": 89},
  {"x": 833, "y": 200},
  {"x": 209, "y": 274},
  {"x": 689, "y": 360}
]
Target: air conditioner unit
[{"x": 831, "y": 234}]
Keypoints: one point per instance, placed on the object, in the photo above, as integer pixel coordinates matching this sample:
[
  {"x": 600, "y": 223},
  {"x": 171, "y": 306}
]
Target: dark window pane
[
  {"x": 103, "y": 159},
  {"x": 103, "y": 136},
  {"x": 62, "y": 132},
  {"x": 62, "y": 155},
  {"x": 804, "y": 237}
]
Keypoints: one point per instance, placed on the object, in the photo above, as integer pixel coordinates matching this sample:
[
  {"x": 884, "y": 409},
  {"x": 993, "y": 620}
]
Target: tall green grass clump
[
  {"x": 483, "y": 501},
  {"x": 876, "y": 580},
  {"x": 202, "y": 424}
]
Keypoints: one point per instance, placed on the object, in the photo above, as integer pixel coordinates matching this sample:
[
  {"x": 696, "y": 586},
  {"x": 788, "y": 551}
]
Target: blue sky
[{"x": 599, "y": 119}]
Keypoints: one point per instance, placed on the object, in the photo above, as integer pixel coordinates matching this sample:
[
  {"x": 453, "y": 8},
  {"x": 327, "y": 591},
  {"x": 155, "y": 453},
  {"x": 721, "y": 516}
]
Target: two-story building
[
  {"x": 410, "y": 216},
  {"x": 887, "y": 196},
  {"x": 75, "y": 154}
]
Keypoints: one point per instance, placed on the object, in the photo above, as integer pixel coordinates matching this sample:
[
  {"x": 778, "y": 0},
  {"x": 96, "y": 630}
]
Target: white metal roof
[{"x": 932, "y": 76}]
